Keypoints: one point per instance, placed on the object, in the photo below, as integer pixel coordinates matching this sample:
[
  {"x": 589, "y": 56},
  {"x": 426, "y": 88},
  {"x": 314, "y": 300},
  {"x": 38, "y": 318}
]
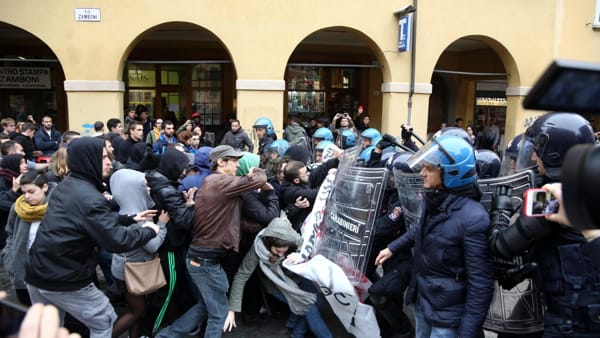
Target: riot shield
[
  {"x": 411, "y": 194},
  {"x": 520, "y": 309},
  {"x": 350, "y": 214}
]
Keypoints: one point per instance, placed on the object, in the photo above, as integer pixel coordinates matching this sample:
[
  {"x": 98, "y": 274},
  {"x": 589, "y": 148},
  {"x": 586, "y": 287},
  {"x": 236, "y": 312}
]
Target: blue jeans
[
  {"x": 88, "y": 305},
  {"x": 312, "y": 318},
  {"x": 211, "y": 281},
  {"x": 424, "y": 330}
]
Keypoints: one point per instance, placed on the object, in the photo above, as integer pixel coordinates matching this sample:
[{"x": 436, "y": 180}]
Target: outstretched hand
[{"x": 229, "y": 322}]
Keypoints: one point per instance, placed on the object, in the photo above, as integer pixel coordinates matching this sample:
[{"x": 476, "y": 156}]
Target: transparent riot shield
[
  {"x": 520, "y": 309},
  {"x": 350, "y": 215},
  {"x": 411, "y": 194}
]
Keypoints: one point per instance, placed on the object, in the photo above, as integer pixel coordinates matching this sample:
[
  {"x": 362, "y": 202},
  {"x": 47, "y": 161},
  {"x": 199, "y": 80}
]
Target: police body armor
[
  {"x": 520, "y": 309},
  {"x": 350, "y": 214}
]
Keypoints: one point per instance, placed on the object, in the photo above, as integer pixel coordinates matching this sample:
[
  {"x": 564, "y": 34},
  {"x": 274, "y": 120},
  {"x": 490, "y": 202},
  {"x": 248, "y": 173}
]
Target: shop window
[{"x": 206, "y": 93}]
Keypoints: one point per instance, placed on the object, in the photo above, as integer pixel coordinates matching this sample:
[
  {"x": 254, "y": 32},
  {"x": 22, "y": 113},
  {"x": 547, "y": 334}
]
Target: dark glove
[
  {"x": 386, "y": 141},
  {"x": 502, "y": 208},
  {"x": 406, "y": 132},
  {"x": 516, "y": 275}
]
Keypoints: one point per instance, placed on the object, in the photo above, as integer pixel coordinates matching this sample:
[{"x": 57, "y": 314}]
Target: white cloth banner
[{"x": 357, "y": 318}]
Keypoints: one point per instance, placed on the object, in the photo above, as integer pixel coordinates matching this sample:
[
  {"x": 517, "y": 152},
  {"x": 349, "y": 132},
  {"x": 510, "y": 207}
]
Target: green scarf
[{"x": 29, "y": 213}]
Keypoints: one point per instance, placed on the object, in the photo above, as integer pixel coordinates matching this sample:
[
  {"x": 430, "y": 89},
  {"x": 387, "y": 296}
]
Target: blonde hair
[{"x": 61, "y": 169}]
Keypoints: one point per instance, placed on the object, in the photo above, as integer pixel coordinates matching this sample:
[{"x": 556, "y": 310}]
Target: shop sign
[
  {"x": 25, "y": 77},
  {"x": 87, "y": 14},
  {"x": 404, "y": 33}
]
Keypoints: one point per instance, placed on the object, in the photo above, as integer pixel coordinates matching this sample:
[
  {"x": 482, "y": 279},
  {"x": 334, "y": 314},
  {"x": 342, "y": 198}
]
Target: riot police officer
[{"x": 570, "y": 282}]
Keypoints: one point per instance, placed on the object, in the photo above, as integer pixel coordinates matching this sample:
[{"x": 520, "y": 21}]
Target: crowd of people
[{"x": 223, "y": 219}]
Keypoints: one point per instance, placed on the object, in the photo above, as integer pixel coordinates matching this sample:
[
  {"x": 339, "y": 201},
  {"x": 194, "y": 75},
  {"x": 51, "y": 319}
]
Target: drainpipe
[{"x": 413, "y": 59}]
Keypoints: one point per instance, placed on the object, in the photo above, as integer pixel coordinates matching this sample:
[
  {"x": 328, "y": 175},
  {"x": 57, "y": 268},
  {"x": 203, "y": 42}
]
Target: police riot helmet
[
  {"x": 264, "y": 122},
  {"x": 509, "y": 159},
  {"x": 488, "y": 163},
  {"x": 323, "y": 145},
  {"x": 400, "y": 161},
  {"x": 280, "y": 146},
  {"x": 323, "y": 134},
  {"x": 453, "y": 155},
  {"x": 371, "y": 133},
  {"x": 365, "y": 154},
  {"x": 348, "y": 138},
  {"x": 551, "y": 136}
]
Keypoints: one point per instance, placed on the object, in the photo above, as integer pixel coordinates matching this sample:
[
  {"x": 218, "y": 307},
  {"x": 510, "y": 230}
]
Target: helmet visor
[
  {"x": 431, "y": 153},
  {"x": 524, "y": 158}
]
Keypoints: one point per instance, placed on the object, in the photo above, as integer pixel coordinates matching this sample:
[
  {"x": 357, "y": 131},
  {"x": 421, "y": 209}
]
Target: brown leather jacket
[{"x": 217, "y": 212}]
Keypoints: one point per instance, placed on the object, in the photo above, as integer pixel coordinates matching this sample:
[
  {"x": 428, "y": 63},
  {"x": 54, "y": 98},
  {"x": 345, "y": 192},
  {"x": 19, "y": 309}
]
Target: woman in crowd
[
  {"x": 130, "y": 191},
  {"x": 59, "y": 168},
  {"x": 270, "y": 248},
  {"x": 22, "y": 226},
  {"x": 11, "y": 167}
]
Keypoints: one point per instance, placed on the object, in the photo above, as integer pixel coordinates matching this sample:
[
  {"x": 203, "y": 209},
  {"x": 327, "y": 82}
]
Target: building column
[
  {"x": 518, "y": 118},
  {"x": 91, "y": 101},
  {"x": 260, "y": 98},
  {"x": 395, "y": 107}
]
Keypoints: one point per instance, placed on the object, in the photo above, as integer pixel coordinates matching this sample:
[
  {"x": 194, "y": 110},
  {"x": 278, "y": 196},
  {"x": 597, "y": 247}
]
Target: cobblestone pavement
[{"x": 274, "y": 327}]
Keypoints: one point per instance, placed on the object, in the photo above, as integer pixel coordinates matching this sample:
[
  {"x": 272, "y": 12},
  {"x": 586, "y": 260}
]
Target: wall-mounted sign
[
  {"x": 87, "y": 14},
  {"x": 405, "y": 33},
  {"x": 25, "y": 77}
]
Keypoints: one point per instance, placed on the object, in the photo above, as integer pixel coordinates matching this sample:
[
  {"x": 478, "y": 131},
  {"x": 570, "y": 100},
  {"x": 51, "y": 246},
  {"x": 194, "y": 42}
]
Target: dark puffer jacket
[
  {"x": 452, "y": 273},
  {"x": 78, "y": 220},
  {"x": 163, "y": 189}
]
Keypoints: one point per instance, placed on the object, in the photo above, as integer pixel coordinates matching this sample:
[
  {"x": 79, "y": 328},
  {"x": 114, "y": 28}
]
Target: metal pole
[{"x": 413, "y": 59}]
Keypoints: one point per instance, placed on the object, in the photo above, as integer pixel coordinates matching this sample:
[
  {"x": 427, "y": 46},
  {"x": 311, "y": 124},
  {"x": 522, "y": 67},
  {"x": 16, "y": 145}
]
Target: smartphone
[
  {"x": 11, "y": 316},
  {"x": 539, "y": 202}
]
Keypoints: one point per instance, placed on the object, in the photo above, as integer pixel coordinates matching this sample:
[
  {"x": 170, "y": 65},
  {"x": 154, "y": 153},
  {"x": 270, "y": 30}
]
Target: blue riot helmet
[
  {"x": 509, "y": 159},
  {"x": 264, "y": 122},
  {"x": 400, "y": 161},
  {"x": 488, "y": 163},
  {"x": 453, "y": 155},
  {"x": 323, "y": 144},
  {"x": 365, "y": 154},
  {"x": 371, "y": 134},
  {"x": 323, "y": 134},
  {"x": 550, "y": 137},
  {"x": 279, "y": 146},
  {"x": 348, "y": 138}
]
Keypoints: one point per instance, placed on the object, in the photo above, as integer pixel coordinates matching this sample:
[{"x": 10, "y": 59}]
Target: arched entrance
[
  {"x": 334, "y": 70},
  {"x": 178, "y": 69},
  {"x": 31, "y": 78},
  {"x": 469, "y": 83}
]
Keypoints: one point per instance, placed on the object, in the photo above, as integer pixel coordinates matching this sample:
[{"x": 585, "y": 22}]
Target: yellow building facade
[{"x": 472, "y": 59}]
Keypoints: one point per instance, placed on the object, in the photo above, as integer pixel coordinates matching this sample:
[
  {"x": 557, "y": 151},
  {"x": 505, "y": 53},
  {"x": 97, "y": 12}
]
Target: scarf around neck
[
  {"x": 298, "y": 299},
  {"x": 29, "y": 213}
]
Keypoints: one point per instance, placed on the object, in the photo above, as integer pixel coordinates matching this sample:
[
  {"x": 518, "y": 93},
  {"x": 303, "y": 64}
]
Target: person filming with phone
[{"x": 567, "y": 275}]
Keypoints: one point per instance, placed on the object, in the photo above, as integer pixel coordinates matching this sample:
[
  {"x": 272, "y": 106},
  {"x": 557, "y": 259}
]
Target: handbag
[{"x": 142, "y": 278}]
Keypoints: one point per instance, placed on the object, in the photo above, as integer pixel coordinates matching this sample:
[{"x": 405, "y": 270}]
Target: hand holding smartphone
[
  {"x": 540, "y": 203},
  {"x": 11, "y": 316}
]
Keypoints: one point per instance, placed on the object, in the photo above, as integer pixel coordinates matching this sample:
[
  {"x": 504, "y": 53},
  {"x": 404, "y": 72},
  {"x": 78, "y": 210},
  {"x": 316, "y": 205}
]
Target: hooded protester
[
  {"x": 202, "y": 163},
  {"x": 62, "y": 259},
  {"x": 163, "y": 183},
  {"x": 129, "y": 190},
  {"x": 270, "y": 248}
]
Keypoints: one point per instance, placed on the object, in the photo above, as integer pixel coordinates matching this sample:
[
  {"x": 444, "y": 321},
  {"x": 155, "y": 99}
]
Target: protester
[
  {"x": 61, "y": 260},
  {"x": 129, "y": 190},
  {"x": 12, "y": 167},
  {"x": 270, "y": 248},
  {"x": 216, "y": 233},
  {"x": 21, "y": 228}
]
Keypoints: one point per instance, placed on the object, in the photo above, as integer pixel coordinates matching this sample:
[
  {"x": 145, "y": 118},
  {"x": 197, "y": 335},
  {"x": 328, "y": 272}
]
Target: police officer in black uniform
[{"x": 569, "y": 279}]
